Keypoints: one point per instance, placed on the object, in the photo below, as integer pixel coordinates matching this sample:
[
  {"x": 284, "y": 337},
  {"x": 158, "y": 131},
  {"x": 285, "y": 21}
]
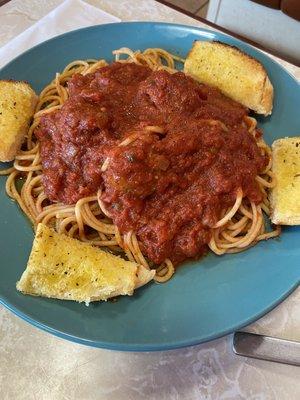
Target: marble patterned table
[{"x": 36, "y": 365}]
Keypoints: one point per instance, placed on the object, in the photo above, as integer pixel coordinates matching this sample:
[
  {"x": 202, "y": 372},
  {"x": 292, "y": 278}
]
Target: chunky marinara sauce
[{"x": 170, "y": 187}]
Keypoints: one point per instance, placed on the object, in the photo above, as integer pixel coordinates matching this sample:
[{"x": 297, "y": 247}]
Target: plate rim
[
  {"x": 209, "y": 32},
  {"x": 154, "y": 346},
  {"x": 145, "y": 347}
]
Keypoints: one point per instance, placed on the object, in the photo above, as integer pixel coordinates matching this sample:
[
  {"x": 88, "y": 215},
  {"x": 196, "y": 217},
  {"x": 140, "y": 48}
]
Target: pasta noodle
[{"x": 239, "y": 227}]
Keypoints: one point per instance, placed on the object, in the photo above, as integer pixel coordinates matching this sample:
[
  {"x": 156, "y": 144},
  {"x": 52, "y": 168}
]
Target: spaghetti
[{"x": 239, "y": 227}]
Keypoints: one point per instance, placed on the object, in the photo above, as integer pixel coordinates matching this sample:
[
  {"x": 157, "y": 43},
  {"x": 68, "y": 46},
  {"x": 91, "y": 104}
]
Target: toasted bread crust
[
  {"x": 267, "y": 97},
  {"x": 234, "y": 72},
  {"x": 17, "y": 104},
  {"x": 64, "y": 268},
  {"x": 285, "y": 196}
]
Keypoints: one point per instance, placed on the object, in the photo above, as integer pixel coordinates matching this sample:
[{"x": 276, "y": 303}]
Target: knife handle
[{"x": 266, "y": 348}]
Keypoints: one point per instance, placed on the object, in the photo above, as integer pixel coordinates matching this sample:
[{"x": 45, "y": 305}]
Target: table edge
[{"x": 291, "y": 60}]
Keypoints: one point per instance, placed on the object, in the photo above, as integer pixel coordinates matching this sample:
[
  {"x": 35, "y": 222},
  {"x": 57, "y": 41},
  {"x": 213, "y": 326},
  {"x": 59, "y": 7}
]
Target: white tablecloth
[{"x": 36, "y": 365}]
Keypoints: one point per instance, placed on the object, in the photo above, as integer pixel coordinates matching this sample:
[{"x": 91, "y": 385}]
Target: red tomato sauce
[{"x": 169, "y": 187}]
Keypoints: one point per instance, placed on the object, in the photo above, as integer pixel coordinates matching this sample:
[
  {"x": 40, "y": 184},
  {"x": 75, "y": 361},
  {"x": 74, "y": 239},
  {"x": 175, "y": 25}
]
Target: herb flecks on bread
[
  {"x": 17, "y": 104},
  {"x": 235, "y": 73},
  {"x": 64, "y": 268},
  {"x": 285, "y": 196}
]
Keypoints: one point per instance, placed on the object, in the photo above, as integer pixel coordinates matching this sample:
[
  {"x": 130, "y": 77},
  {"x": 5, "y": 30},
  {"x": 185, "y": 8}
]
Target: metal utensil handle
[{"x": 266, "y": 348}]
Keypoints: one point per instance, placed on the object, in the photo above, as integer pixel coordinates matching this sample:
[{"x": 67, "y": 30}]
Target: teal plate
[{"x": 205, "y": 299}]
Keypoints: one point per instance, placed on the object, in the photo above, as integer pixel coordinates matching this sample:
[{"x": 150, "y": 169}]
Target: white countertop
[{"x": 36, "y": 365}]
